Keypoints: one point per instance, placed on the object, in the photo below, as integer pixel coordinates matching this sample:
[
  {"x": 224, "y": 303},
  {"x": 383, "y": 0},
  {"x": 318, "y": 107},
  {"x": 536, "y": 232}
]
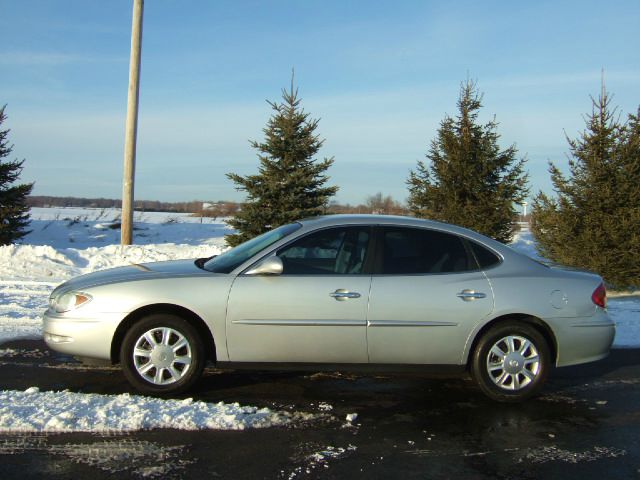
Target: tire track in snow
[{"x": 136, "y": 458}]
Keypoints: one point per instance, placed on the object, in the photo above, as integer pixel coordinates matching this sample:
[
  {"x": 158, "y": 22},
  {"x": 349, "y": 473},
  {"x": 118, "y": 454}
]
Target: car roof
[
  {"x": 366, "y": 218},
  {"x": 373, "y": 219}
]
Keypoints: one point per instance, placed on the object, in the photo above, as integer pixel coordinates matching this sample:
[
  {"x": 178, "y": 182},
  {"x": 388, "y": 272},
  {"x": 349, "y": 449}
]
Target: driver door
[{"x": 315, "y": 311}]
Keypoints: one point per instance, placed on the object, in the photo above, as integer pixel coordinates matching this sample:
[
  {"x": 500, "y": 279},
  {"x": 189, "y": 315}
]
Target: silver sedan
[{"x": 339, "y": 292}]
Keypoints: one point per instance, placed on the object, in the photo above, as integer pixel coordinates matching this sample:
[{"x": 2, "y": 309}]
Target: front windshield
[{"x": 235, "y": 257}]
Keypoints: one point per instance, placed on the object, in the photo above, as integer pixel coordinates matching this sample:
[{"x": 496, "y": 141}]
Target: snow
[
  {"x": 35, "y": 411},
  {"x": 66, "y": 242},
  {"x": 82, "y": 228},
  {"x": 21, "y": 305},
  {"x": 523, "y": 242},
  {"x": 321, "y": 458},
  {"x": 625, "y": 311}
]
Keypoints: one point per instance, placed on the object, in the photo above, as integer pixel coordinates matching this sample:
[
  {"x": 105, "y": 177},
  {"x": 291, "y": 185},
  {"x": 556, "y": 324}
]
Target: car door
[
  {"x": 427, "y": 293},
  {"x": 314, "y": 311}
]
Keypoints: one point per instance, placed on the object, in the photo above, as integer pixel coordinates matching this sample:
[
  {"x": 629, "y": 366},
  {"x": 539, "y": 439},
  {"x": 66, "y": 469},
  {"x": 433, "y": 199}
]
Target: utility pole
[{"x": 131, "y": 128}]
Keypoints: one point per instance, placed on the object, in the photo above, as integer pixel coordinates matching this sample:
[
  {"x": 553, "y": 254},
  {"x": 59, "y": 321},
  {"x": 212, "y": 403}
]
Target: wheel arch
[
  {"x": 163, "y": 308},
  {"x": 540, "y": 325}
]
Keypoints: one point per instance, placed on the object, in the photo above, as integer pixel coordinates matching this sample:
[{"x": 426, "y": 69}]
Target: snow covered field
[{"x": 66, "y": 242}]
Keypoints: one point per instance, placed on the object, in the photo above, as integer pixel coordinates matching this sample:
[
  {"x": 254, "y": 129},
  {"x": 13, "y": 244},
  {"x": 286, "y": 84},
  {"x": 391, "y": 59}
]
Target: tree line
[
  {"x": 377, "y": 203},
  {"x": 140, "y": 205},
  {"x": 592, "y": 219}
]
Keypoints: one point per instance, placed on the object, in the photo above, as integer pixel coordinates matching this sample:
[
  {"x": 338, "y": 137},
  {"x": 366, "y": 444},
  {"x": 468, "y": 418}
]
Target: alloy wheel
[
  {"x": 162, "y": 356},
  {"x": 513, "y": 362}
]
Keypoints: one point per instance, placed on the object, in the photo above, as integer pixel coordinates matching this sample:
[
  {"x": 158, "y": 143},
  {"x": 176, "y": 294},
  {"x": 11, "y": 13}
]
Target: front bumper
[{"x": 84, "y": 337}]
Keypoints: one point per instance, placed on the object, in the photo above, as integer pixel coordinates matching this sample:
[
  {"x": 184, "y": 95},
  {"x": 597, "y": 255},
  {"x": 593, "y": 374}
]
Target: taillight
[{"x": 599, "y": 296}]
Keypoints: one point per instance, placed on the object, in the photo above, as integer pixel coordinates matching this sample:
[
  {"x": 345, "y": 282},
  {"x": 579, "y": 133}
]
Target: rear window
[{"x": 486, "y": 258}]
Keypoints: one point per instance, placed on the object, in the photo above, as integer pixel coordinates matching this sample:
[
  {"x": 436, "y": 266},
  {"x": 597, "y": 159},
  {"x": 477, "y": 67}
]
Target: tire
[
  {"x": 162, "y": 354},
  {"x": 511, "y": 362}
]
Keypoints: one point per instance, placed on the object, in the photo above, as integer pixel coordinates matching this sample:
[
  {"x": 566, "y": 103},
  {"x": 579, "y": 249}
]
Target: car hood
[{"x": 134, "y": 272}]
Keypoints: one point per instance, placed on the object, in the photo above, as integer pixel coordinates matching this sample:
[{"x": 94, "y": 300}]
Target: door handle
[
  {"x": 470, "y": 295},
  {"x": 342, "y": 294}
]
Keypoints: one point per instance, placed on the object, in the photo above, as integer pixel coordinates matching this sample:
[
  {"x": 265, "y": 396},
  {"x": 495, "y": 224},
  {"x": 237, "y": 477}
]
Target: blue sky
[{"x": 380, "y": 75}]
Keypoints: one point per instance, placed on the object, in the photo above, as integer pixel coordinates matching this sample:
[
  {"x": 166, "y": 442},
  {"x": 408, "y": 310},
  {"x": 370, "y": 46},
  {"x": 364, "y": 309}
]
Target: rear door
[{"x": 427, "y": 293}]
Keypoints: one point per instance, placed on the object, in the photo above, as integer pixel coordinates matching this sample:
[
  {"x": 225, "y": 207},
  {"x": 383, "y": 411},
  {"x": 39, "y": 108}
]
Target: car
[{"x": 336, "y": 292}]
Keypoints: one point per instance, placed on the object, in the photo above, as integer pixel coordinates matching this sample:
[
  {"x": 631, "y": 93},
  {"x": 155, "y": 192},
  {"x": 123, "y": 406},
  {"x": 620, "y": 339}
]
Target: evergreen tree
[
  {"x": 290, "y": 183},
  {"x": 14, "y": 211},
  {"x": 469, "y": 181},
  {"x": 593, "y": 221}
]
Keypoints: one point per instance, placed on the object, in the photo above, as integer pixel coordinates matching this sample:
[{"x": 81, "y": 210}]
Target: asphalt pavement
[{"x": 585, "y": 425}]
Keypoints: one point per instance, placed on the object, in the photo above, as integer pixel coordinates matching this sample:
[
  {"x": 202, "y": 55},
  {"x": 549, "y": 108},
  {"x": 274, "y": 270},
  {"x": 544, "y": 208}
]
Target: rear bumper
[
  {"x": 80, "y": 336},
  {"x": 583, "y": 340}
]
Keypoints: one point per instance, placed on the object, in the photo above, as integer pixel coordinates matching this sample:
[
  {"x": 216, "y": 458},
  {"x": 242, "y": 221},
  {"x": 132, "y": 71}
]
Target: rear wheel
[
  {"x": 162, "y": 354},
  {"x": 511, "y": 362}
]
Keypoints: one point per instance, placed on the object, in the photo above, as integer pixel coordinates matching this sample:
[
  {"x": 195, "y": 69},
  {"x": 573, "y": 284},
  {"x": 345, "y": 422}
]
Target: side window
[
  {"x": 415, "y": 250},
  {"x": 327, "y": 252},
  {"x": 485, "y": 257}
]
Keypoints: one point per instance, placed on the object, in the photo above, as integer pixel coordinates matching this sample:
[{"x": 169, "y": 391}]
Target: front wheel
[
  {"x": 511, "y": 362},
  {"x": 162, "y": 354}
]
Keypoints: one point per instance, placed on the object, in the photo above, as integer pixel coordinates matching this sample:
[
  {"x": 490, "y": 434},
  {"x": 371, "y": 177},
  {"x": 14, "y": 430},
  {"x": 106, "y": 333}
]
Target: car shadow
[
  {"x": 414, "y": 390},
  {"x": 619, "y": 358}
]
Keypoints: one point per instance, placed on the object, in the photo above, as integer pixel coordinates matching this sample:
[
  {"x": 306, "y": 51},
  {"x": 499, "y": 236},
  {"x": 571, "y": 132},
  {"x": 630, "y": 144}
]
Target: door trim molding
[
  {"x": 301, "y": 323},
  {"x": 404, "y": 323}
]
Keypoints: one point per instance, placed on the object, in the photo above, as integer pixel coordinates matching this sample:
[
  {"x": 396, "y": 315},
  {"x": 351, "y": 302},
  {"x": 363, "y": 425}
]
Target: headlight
[{"x": 70, "y": 301}]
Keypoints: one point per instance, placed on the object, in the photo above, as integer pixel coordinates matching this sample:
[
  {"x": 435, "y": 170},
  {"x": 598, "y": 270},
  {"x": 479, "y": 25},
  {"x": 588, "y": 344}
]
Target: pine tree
[
  {"x": 290, "y": 183},
  {"x": 593, "y": 221},
  {"x": 14, "y": 211},
  {"x": 469, "y": 181}
]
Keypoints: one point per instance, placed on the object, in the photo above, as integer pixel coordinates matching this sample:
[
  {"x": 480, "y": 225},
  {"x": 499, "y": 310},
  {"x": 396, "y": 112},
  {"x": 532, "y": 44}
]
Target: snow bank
[
  {"x": 21, "y": 305},
  {"x": 83, "y": 228},
  {"x": 44, "y": 263},
  {"x": 35, "y": 411},
  {"x": 28, "y": 262}
]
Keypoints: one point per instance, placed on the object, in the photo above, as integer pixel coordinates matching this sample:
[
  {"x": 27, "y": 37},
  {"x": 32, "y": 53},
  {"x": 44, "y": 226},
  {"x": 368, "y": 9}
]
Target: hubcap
[
  {"x": 513, "y": 362},
  {"x": 162, "y": 356}
]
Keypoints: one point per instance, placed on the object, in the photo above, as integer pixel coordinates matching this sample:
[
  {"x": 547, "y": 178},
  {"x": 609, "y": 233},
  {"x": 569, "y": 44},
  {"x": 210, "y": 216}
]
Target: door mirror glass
[{"x": 268, "y": 266}]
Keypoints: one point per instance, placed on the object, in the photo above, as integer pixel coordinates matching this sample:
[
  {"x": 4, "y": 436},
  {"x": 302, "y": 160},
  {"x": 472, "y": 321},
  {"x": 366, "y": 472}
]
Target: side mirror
[{"x": 268, "y": 266}]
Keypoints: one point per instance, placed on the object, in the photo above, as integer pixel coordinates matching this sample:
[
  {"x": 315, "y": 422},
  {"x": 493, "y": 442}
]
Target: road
[{"x": 585, "y": 425}]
